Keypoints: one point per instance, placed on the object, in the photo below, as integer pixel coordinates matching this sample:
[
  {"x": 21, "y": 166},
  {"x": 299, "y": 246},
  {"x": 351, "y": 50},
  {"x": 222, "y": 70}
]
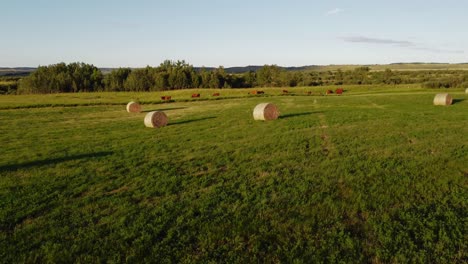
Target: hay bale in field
[
  {"x": 156, "y": 119},
  {"x": 266, "y": 111},
  {"x": 466, "y": 90},
  {"x": 443, "y": 99},
  {"x": 133, "y": 107}
]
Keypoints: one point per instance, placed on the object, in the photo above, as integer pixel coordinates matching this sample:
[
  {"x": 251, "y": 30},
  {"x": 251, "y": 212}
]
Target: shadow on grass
[
  {"x": 456, "y": 101},
  {"x": 298, "y": 114},
  {"x": 163, "y": 109},
  {"x": 190, "y": 120},
  {"x": 36, "y": 163}
]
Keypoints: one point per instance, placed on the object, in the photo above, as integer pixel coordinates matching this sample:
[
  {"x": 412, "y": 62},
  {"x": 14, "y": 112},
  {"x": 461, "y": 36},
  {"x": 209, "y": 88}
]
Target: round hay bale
[
  {"x": 156, "y": 119},
  {"x": 266, "y": 111},
  {"x": 133, "y": 107},
  {"x": 466, "y": 90},
  {"x": 443, "y": 99}
]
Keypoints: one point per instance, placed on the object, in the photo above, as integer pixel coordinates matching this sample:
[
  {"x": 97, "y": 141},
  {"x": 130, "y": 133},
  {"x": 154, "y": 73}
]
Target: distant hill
[
  {"x": 242, "y": 69},
  {"x": 18, "y": 71},
  {"x": 413, "y": 66}
]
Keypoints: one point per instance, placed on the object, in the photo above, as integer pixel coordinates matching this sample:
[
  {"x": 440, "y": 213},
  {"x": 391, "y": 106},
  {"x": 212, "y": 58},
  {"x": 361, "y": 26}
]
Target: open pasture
[{"x": 370, "y": 176}]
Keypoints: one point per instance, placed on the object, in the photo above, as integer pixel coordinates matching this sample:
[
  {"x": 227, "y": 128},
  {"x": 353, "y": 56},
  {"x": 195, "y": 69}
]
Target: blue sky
[{"x": 232, "y": 33}]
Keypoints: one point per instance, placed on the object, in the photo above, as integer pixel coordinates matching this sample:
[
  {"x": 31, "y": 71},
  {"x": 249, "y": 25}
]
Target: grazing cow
[
  {"x": 216, "y": 94},
  {"x": 165, "y": 98},
  {"x": 329, "y": 91},
  {"x": 285, "y": 91},
  {"x": 256, "y": 92},
  {"x": 195, "y": 95},
  {"x": 339, "y": 91}
]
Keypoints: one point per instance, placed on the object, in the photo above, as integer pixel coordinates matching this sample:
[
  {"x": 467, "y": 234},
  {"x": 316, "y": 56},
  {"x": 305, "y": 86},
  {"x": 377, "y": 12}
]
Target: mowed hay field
[{"x": 375, "y": 175}]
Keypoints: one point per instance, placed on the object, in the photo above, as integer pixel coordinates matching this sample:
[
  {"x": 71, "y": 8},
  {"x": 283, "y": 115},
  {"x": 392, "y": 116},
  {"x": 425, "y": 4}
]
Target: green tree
[
  {"x": 139, "y": 80},
  {"x": 205, "y": 78},
  {"x": 218, "y": 78},
  {"x": 250, "y": 79},
  {"x": 339, "y": 77},
  {"x": 114, "y": 81},
  {"x": 176, "y": 75},
  {"x": 269, "y": 76},
  {"x": 75, "y": 77}
]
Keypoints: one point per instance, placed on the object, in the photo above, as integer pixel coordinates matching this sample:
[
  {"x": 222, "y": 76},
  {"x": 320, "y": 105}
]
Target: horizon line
[{"x": 250, "y": 65}]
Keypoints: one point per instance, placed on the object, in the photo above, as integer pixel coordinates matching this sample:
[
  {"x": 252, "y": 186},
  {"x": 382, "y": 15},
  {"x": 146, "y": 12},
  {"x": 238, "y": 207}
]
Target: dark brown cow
[{"x": 257, "y": 92}]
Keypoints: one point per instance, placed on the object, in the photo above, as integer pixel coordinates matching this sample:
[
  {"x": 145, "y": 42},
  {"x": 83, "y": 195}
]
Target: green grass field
[{"x": 376, "y": 175}]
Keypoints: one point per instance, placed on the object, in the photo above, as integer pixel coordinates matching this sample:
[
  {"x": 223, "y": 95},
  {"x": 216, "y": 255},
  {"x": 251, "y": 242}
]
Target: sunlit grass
[
  {"x": 121, "y": 98},
  {"x": 363, "y": 177}
]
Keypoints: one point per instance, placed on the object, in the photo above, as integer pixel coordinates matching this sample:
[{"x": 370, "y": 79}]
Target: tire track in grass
[
  {"x": 327, "y": 146},
  {"x": 373, "y": 104},
  {"x": 320, "y": 133}
]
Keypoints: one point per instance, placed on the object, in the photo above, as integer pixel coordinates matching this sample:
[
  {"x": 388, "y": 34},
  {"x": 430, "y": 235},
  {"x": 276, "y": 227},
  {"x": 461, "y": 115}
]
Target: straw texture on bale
[
  {"x": 266, "y": 111},
  {"x": 133, "y": 107},
  {"x": 156, "y": 119},
  {"x": 466, "y": 90},
  {"x": 443, "y": 99}
]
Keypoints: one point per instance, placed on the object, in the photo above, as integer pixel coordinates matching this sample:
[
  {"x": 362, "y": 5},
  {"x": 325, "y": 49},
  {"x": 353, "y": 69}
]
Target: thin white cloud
[
  {"x": 334, "y": 11},
  {"x": 399, "y": 43}
]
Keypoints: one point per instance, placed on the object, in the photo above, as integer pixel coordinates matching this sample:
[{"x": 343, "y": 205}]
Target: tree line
[
  {"x": 171, "y": 75},
  {"x": 62, "y": 78}
]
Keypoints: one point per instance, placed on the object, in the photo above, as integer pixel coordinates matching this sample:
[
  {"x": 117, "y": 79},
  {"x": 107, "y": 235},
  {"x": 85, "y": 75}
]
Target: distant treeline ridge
[{"x": 171, "y": 75}]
